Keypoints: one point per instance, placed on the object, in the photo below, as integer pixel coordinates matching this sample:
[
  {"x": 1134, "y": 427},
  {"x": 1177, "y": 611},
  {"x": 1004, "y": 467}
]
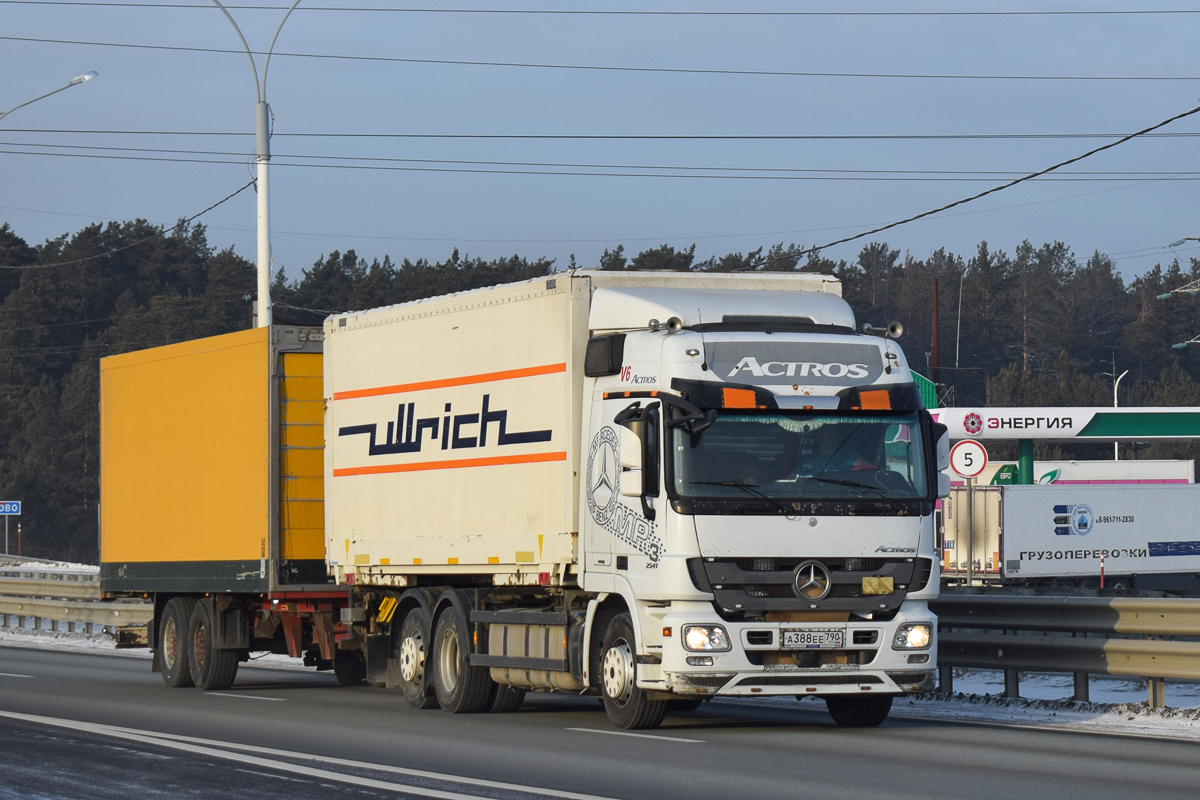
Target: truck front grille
[{"x": 752, "y": 586}]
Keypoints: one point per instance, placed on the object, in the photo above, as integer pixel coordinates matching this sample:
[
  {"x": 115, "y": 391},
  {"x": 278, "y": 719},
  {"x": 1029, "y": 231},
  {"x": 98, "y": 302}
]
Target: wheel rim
[
  {"x": 448, "y": 657},
  {"x": 170, "y": 643},
  {"x": 618, "y": 672},
  {"x": 200, "y": 645},
  {"x": 412, "y": 657}
]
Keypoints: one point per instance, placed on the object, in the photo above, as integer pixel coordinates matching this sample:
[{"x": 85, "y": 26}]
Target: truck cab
[{"x": 759, "y": 482}]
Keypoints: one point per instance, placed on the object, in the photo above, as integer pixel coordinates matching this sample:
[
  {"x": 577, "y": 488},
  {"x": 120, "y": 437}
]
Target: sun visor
[
  {"x": 891, "y": 397},
  {"x": 711, "y": 394}
]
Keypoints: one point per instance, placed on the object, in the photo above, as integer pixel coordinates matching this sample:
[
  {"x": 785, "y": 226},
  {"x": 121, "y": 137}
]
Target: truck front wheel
[
  {"x": 859, "y": 711},
  {"x": 627, "y": 706},
  {"x": 211, "y": 668},
  {"x": 172, "y": 642},
  {"x": 412, "y": 652}
]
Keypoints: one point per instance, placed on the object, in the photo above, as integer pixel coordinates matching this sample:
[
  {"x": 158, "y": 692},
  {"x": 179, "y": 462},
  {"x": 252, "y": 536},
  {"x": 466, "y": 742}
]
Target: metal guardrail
[
  {"x": 63, "y": 595},
  {"x": 1128, "y": 637}
]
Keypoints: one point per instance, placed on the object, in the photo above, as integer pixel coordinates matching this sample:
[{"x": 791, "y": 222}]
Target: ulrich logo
[
  {"x": 604, "y": 499},
  {"x": 798, "y": 369},
  {"x": 407, "y": 434}
]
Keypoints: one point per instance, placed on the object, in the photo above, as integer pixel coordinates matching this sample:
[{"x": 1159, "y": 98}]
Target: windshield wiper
[
  {"x": 752, "y": 488},
  {"x": 878, "y": 491}
]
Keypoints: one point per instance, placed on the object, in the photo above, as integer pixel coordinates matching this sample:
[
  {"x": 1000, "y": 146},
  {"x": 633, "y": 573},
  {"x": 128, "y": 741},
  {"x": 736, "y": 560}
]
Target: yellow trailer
[{"x": 211, "y": 458}]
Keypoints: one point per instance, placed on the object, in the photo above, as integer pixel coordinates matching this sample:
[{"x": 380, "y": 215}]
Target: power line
[
  {"x": 621, "y": 136},
  {"x": 1123, "y": 174},
  {"x": 609, "y": 172},
  {"x": 1002, "y": 187},
  {"x": 618, "y": 12},
  {"x": 613, "y": 68},
  {"x": 181, "y": 223}
]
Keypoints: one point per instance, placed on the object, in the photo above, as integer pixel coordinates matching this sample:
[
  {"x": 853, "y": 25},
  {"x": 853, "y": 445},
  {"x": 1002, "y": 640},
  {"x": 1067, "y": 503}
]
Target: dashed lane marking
[
  {"x": 245, "y": 696},
  {"x": 638, "y": 735}
]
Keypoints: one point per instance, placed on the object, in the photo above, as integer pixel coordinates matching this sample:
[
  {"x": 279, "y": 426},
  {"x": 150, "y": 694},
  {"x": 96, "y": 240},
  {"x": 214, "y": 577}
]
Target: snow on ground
[{"x": 1118, "y": 705}]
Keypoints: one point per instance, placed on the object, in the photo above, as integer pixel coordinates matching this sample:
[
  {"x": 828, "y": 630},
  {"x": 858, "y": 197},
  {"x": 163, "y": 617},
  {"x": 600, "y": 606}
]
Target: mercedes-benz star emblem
[{"x": 812, "y": 581}]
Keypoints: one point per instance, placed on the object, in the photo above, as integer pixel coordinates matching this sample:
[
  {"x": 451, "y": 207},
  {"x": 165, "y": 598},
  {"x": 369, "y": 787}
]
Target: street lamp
[
  {"x": 262, "y": 154},
  {"x": 958, "y": 333},
  {"x": 1116, "y": 383},
  {"x": 78, "y": 79}
]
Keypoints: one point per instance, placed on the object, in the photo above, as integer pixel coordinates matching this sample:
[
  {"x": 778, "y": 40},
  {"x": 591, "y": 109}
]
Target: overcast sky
[{"x": 421, "y": 197}]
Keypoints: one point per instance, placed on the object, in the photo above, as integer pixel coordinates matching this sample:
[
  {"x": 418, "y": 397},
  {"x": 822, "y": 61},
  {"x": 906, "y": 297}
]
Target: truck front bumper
[{"x": 758, "y": 664}]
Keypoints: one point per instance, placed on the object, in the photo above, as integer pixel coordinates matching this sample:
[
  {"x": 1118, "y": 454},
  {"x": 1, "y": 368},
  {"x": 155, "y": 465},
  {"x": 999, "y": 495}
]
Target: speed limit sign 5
[{"x": 968, "y": 458}]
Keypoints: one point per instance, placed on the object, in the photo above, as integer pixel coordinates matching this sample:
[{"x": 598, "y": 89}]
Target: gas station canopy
[{"x": 1070, "y": 424}]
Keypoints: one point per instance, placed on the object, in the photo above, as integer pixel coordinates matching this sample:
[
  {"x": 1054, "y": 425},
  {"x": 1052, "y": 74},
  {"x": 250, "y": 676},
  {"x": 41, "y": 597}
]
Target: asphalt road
[{"x": 82, "y": 725}]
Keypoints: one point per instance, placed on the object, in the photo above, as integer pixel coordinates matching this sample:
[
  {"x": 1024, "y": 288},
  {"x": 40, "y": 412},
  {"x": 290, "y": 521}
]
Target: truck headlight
[
  {"x": 705, "y": 637},
  {"x": 913, "y": 636}
]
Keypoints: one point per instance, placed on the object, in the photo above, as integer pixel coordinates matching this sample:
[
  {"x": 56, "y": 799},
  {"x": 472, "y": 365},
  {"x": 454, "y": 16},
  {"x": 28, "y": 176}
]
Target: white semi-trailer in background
[{"x": 654, "y": 488}]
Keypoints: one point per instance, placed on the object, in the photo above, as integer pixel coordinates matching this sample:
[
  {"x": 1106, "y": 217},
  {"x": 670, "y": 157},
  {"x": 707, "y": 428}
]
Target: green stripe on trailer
[{"x": 1163, "y": 423}]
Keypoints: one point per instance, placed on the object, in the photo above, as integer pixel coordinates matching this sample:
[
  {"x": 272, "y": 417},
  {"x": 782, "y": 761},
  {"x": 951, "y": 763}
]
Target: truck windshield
[{"x": 802, "y": 456}]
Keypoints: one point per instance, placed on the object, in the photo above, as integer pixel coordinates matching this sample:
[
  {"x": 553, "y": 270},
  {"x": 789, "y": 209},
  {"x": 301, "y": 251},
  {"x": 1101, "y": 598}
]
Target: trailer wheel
[
  {"x": 460, "y": 687},
  {"x": 506, "y": 699},
  {"x": 349, "y": 667},
  {"x": 211, "y": 668},
  {"x": 172, "y": 642},
  {"x": 413, "y": 655},
  {"x": 858, "y": 711},
  {"x": 627, "y": 706}
]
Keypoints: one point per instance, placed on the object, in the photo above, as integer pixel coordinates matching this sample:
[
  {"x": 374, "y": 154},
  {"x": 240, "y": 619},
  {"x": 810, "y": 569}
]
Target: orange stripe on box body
[
  {"x": 465, "y": 380},
  {"x": 461, "y": 463}
]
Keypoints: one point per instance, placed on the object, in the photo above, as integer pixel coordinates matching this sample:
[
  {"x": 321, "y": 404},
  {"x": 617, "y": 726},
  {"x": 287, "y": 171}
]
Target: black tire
[
  {"x": 859, "y": 711},
  {"x": 460, "y": 687},
  {"x": 684, "y": 704},
  {"x": 212, "y": 669},
  {"x": 627, "y": 706},
  {"x": 349, "y": 667},
  {"x": 412, "y": 651},
  {"x": 172, "y": 642},
  {"x": 506, "y": 699}
]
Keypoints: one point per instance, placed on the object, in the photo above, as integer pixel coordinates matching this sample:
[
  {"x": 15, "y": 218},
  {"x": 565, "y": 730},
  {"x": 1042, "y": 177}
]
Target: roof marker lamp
[
  {"x": 913, "y": 636},
  {"x": 706, "y": 638}
]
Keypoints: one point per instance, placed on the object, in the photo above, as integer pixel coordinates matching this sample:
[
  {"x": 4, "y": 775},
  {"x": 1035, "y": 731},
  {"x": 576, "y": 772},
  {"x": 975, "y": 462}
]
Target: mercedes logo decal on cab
[{"x": 812, "y": 581}]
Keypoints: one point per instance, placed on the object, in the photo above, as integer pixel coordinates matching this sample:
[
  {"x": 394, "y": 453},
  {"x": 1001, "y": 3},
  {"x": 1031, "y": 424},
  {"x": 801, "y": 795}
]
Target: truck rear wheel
[
  {"x": 172, "y": 642},
  {"x": 349, "y": 667},
  {"x": 506, "y": 699},
  {"x": 211, "y": 668},
  {"x": 413, "y": 654},
  {"x": 627, "y": 706},
  {"x": 460, "y": 687},
  {"x": 858, "y": 711}
]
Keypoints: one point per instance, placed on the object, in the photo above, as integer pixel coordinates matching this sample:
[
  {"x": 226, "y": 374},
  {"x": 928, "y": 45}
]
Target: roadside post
[{"x": 9, "y": 508}]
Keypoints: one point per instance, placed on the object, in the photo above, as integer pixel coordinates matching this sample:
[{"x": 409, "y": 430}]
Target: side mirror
[
  {"x": 630, "y": 445},
  {"x": 943, "y": 485},
  {"x": 942, "y": 447}
]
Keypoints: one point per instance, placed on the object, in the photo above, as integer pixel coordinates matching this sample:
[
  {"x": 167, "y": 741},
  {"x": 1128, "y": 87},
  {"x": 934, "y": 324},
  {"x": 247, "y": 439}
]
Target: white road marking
[
  {"x": 639, "y": 735},
  {"x": 15, "y": 675},
  {"x": 209, "y": 747},
  {"x": 246, "y": 696}
]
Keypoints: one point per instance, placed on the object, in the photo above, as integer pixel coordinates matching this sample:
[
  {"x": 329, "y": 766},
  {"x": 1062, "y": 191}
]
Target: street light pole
[
  {"x": 958, "y": 333},
  {"x": 1116, "y": 383},
  {"x": 262, "y": 154},
  {"x": 78, "y": 79}
]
